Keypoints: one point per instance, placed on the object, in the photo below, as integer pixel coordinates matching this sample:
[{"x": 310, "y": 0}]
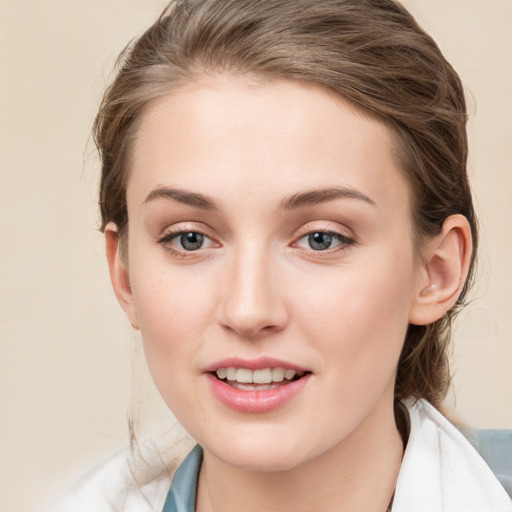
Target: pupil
[
  {"x": 320, "y": 241},
  {"x": 191, "y": 241}
]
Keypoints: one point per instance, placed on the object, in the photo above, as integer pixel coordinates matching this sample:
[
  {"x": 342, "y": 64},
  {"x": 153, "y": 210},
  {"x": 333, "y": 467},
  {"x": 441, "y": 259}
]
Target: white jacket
[{"x": 440, "y": 472}]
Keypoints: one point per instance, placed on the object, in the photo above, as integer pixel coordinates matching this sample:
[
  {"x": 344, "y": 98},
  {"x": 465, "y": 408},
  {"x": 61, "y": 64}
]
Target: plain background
[{"x": 71, "y": 370}]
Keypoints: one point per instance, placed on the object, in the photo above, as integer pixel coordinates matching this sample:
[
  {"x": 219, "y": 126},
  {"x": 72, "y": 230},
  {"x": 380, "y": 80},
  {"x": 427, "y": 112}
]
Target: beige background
[{"x": 70, "y": 368}]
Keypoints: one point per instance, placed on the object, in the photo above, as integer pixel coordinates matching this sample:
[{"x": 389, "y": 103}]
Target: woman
[{"x": 289, "y": 223}]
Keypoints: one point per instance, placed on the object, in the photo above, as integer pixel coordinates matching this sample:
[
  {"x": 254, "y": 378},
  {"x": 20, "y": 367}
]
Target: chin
[
  {"x": 271, "y": 455},
  {"x": 261, "y": 463}
]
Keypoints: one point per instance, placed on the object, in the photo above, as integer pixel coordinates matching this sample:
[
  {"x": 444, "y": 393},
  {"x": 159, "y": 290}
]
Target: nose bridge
[{"x": 251, "y": 301}]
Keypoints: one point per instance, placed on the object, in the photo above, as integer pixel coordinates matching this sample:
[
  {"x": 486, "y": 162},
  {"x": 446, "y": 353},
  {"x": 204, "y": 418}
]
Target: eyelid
[
  {"x": 345, "y": 240},
  {"x": 172, "y": 232},
  {"x": 325, "y": 227}
]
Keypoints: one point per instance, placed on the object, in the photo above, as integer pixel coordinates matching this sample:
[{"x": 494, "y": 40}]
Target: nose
[{"x": 253, "y": 302}]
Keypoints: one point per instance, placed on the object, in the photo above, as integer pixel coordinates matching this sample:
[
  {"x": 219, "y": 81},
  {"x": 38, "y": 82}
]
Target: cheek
[
  {"x": 173, "y": 309},
  {"x": 166, "y": 295},
  {"x": 360, "y": 317}
]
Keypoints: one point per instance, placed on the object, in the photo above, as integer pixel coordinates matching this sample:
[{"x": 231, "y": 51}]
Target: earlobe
[
  {"x": 443, "y": 272},
  {"x": 119, "y": 273}
]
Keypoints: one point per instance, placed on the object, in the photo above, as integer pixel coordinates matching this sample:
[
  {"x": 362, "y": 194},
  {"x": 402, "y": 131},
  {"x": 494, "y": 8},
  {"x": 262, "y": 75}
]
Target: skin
[{"x": 257, "y": 288}]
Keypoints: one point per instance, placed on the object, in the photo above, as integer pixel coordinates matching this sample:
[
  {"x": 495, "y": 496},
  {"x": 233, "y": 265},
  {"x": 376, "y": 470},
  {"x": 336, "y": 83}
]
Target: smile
[
  {"x": 268, "y": 386},
  {"x": 261, "y": 379}
]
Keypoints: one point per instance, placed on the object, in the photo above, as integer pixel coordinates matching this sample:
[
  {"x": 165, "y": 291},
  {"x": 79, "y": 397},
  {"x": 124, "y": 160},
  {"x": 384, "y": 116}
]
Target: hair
[{"x": 372, "y": 53}]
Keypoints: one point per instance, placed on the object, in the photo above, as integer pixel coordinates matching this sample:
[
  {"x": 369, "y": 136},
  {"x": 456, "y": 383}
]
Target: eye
[
  {"x": 318, "y": 241},
  {"x": 182, "y": 242},
  {"x": 191, "y": 241}
]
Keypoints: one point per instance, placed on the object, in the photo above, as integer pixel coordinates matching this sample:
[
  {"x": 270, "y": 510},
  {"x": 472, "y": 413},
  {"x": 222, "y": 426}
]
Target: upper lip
[{"x": 254, "y": 364}]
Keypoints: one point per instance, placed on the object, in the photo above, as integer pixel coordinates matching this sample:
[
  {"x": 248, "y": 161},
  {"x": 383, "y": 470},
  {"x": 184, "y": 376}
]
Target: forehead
[{"x": 230, "y": 133}]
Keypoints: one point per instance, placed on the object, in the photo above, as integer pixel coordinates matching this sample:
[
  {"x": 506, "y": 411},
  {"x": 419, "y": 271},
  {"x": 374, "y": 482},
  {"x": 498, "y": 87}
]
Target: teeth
[
  {"x": 289, "y": 374},
  {"x": 244, "y": 375},
  {"x": 278, "y": 374},
  {"x": 263, "y": 376}
]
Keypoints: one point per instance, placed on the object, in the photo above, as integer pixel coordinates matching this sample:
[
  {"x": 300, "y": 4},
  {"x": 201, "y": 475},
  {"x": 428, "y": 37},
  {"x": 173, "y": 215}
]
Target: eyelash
[
  {"x": 167, "y": 239},
  {"x": 343, "y": 242}
]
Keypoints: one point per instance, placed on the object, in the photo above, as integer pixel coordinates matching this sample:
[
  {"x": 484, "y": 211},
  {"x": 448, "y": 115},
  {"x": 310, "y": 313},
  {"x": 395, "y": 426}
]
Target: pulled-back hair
[{"x": 370, "y": 52}]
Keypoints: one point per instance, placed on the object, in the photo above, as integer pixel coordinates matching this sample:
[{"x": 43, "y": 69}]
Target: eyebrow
[
  {"x": 313, "y": 197},
  {"x": 298, "y": 200},
  {"x": 182, "y": 196}
]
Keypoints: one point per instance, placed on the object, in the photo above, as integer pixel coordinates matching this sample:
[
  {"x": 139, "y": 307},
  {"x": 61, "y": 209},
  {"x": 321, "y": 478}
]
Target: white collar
[{"x": 441, "y": 471}]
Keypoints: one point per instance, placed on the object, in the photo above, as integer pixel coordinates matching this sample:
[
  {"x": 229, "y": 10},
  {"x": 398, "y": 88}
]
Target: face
[{"x": 271, "y": 267}]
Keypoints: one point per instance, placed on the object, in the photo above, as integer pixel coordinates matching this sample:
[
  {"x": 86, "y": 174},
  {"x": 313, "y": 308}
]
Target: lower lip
[{"x": 256, "y": 401}]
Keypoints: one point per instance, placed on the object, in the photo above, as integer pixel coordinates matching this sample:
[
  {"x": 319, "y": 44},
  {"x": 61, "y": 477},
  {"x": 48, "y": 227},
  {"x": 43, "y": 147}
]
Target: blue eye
[
  {"x": 182, "y": 242},
  {"x": 191, "y": 241},
  {"x": 320, "y": 241}
]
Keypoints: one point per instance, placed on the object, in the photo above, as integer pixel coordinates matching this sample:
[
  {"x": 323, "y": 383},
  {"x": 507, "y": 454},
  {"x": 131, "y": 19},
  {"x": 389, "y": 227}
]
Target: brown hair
[{"x": 370, "y": 52}]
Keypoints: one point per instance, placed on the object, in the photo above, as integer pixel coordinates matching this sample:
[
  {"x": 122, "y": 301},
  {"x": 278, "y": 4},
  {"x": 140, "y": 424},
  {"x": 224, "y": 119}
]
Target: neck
[{"x": 357, "y": 474}]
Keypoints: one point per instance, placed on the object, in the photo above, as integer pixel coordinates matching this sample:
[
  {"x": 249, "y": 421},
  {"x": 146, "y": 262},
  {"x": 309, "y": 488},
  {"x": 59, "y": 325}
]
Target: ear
[
  {"x": 443, "y": 271},
  {"x": 119, "y": 274}
]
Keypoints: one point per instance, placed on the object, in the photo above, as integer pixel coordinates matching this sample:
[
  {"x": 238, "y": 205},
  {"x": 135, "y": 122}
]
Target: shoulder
[
  {"x": 442, "y": 471},
  {"x": 130, "y": 481}
]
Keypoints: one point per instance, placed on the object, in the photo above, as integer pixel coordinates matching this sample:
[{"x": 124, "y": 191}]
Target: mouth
[{"x": 262, "y": 379}]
